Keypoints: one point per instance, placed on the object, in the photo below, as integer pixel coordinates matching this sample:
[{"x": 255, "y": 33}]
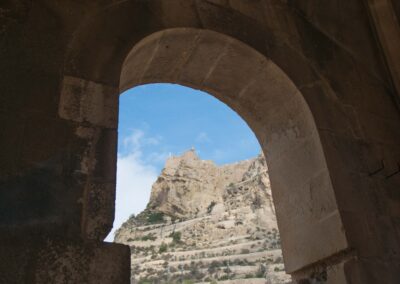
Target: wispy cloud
[
  {"x": 135, "y": 176},
  {"x": 137, "y": 140}
]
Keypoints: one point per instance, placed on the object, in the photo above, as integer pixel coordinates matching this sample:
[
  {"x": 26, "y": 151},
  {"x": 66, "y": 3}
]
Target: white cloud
[
  {"x": 137, "y": 140},
  {"x": 135, "y": 176},
  {"x": 132, "y": 141},
  {"x": 202, "y": 137}
]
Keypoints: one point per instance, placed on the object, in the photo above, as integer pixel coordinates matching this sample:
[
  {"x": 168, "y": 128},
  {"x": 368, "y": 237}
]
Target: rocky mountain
[{"x": 206, "y": 224}]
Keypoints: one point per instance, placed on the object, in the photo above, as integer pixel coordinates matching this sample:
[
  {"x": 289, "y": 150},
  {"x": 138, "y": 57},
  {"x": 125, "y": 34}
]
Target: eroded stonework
[{"x": 318, "y": 85}]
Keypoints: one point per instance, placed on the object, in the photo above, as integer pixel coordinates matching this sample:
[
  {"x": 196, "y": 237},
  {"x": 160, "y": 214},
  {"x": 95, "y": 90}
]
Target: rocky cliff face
[{"x": 206, "y": 223}]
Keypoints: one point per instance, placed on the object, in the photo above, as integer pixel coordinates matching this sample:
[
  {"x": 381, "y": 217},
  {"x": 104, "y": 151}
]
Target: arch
[
  {"x": 114, "y": 28},
  {"x": 260, "y": 92},
  {"x": 70, "y": 54},
  {"x": 95, "y": 74}
]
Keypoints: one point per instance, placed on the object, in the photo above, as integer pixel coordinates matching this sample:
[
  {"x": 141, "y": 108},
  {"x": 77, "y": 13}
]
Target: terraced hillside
[{"x": 206, "y": 224}]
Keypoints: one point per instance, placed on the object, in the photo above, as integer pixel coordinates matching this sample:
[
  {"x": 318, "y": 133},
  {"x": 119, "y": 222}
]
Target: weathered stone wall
[
  {"x": 43, "y": 183},
  {"x": 396, "y": 6},
  {"x": 60, "y": 67},
  {"x": 279, "y": 116}
]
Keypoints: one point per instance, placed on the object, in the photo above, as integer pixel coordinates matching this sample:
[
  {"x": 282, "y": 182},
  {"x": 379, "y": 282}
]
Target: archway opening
[
  {"x": 157, "y": 121},
  {"x": 190, "y": 160},
  {"x": 265, "y": 97},
  {"x": 257, "y": 89}
]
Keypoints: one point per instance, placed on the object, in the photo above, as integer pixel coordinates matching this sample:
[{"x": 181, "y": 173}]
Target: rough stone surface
[
  {"x": 292, "y": 135},
  {"x": 214, "y": 222},
  {"x": 64, "y": 260},
  {"x": 326, "y": 102}
]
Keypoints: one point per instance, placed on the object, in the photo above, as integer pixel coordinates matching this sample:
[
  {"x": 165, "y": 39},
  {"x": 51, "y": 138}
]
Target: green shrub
[
  {"x": 148, "y": 237},
  {"x": 262, "y": 269},
  {"x": 176, "y": 236},
  {"x": 222, "y": 278},
  {"x": 245, "y": 251},
  {"x": 213, "y": 266},
  {"x": 163, "y": 248},
  {"x": 156, "y": 217}
]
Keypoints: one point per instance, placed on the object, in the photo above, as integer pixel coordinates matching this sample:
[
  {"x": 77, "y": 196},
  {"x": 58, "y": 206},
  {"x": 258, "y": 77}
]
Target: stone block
[
  {"x": 172, "y": 51},
  {"x": 106, "y": 156},
  {"x": 205, "y": 55},
  {"x": 223, "y": 77},
  {"x": 86, "y": 101},
  {"x": 326, "y": 238},
  {"x": 306, "y": 207},
  {"x": 47, "y": 260},
  {"x": 369, "y": 271},
  {"x": 99, "y": 209}
]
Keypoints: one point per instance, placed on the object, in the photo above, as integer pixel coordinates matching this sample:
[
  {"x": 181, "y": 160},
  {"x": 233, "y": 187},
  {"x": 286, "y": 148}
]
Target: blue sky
[{"x": 159, "y": 120}]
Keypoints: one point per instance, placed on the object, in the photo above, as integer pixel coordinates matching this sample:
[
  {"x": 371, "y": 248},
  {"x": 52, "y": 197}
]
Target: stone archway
[
  {"x": 58, "y": 163},
  {"x": 339, "y": 130},
  {"x": 61, "y": 63},
  {"x": 265, "y": 97},
  {"x": 259, "y": 91}
]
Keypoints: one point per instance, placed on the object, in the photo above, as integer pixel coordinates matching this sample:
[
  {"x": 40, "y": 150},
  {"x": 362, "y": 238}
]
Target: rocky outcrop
[{"x": 206, "y": 223}]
